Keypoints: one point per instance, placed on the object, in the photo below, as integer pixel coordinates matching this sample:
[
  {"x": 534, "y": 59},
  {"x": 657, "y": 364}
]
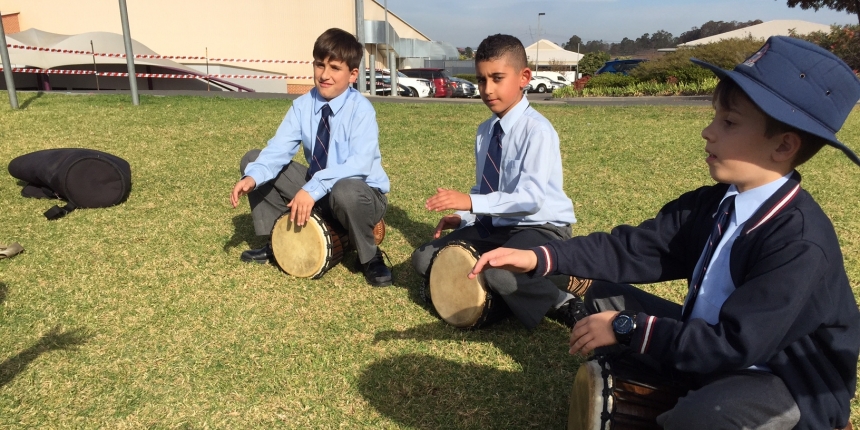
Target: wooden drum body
[
  {"x": 308, "y": 251},
  {"x": 603, "y": 399}
]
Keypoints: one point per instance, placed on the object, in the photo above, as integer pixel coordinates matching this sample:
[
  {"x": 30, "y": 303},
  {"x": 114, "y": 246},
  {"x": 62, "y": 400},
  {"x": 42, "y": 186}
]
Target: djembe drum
[
  {"x": 607, "y": 396},
  {"x": 308, "y": 251},
  {"x": 459, "y": 301}
]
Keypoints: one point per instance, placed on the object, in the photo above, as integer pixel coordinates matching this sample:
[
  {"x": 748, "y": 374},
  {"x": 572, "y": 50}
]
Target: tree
[
  {"x": 572, "y": 44},
  {"x": 592, "y": 61},
  {"x": 594, "y": 46},
  {"x": 663, "y": 39},
  {"x": 849, "y": 6},
  {"x": 469, "y": 53}
]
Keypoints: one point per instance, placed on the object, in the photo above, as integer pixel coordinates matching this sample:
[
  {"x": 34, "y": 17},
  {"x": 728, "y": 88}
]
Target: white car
[
  {"x": 543, "y": 84},
  {"x": 417, "y": 87}
]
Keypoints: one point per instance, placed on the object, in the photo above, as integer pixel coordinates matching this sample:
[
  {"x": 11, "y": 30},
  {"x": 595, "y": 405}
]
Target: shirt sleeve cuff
[
  {"x": 480, "y": 204},
  {"x": 546, "y": 261},
  {"x": 645, "y": 325},
  {"x": 256, "y": 175},
  {"x": 315, "y": 188}
]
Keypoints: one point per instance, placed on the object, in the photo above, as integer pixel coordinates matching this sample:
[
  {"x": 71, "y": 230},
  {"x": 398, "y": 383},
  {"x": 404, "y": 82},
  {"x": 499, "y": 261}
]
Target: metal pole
[
  {"x": 7, "y": 68},
  {"x": 129, "y": 54},
  {"x": 372, "y": 74},
  {"x": 96, "y": 70},
  {"x": 359, "y": 34},
  {"x": 207, "y": 68},
  {"x": 537, "y": 55},
  {"x": 391, "y": 66}
]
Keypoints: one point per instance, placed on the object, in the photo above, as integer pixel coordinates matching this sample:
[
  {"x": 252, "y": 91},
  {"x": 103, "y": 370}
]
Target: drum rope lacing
[{"x": 605, "y": 415}]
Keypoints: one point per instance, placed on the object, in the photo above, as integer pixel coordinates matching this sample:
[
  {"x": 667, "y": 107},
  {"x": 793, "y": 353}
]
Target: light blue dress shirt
[
  {"x": 531, "y": 177},
  {"x": 353, "y": 146},
  {"x": 717, "y": 284}
]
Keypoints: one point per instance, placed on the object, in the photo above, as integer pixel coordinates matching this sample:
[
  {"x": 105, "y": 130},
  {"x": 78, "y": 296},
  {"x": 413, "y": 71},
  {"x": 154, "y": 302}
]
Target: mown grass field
[{"x": 141, "y": 315}]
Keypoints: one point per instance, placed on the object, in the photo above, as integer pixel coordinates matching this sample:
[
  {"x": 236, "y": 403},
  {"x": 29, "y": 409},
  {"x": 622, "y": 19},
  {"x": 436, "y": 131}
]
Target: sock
[{"x": 563, "y": 297}]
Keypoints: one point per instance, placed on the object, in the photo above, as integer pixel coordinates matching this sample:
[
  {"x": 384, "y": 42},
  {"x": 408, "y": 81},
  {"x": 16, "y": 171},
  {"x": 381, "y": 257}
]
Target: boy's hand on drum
[
  {"x": 243, "y": 187},
  {"x": 300, "y": 207},
  {"x": 446, "y": 199},
  {"x": 592, "y": 332},
  {"x": 447, "y": 222},
  {"x": 513, "y": 260}
]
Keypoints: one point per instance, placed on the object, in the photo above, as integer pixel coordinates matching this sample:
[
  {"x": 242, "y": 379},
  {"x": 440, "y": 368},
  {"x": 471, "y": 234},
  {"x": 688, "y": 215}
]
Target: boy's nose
[{"x": 706, "y": 132}]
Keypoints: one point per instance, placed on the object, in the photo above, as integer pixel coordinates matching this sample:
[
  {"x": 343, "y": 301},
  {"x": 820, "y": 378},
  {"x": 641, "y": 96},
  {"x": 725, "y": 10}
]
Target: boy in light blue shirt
[
  {"x": 518, "y": 200},
  {"x": 344, "y": 178}
]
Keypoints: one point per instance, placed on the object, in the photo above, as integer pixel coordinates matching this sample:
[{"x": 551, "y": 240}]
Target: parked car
[
  {"x": 383, "y": 85},
  {"x": 464, "y": 88},
  {"x": 417, "y": 87},
  {"x": 439, "y": 77},
  {"x": 541, "y": 84},
  {"x": 619, "y": 66},
  {"x": 555, "y": 76}
]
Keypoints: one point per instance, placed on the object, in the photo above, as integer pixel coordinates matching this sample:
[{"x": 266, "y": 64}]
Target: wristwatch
[{"x": 624, "y": 325}]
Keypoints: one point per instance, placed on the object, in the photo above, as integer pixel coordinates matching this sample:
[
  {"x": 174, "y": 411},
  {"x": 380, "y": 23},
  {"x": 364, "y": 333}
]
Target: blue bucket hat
[{"x": 800, "y": 84}]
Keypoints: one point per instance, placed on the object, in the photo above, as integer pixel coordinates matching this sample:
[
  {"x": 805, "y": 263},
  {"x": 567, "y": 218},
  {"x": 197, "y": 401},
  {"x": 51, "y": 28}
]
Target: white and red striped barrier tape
[
  {"x": 151, "y": 75},
  {"x": 156, "y": 57}
]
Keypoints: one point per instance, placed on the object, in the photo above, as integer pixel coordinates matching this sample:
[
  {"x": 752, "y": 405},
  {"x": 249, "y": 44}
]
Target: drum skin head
[
  {"x": 300, "y": 251},
  {"x": 586, "y": 398},
  {"x": 464, "y": 298}
]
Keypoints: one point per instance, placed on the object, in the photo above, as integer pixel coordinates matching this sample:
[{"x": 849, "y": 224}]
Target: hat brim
[{"x": 778, "y": 108}]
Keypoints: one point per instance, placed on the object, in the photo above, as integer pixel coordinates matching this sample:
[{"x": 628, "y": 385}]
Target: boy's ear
[
  {"x": 525, "y": 77},
  {"x": 788, "y": 147},
  {"x": 353, "y": 75}
]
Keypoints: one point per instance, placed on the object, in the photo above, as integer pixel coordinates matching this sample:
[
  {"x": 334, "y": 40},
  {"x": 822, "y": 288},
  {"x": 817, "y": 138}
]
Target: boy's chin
[{"x": 331, "y": 92}]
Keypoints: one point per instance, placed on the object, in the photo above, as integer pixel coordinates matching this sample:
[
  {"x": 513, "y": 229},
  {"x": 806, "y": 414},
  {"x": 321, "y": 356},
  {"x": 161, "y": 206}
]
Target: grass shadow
[
  {"x": 55, "y": 339},
  {"x": 243, "y": 232},
  {"x": 4, "y": 291},
  {"x": 32, "y": 97},
  {"x": 428, "y": 392},
  {"x": 416, "y": 233}
]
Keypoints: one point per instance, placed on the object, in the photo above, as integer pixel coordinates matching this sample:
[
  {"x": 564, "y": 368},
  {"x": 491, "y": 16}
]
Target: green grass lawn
[{"x": 142, "y": 315}]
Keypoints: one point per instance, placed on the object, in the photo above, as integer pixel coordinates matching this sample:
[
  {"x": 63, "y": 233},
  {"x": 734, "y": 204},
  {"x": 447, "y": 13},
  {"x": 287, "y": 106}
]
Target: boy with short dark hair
[
  {"x": 769, "y": 334},
  {"x": 518, "y": 200},
  {"x": 337, "y": 128}
]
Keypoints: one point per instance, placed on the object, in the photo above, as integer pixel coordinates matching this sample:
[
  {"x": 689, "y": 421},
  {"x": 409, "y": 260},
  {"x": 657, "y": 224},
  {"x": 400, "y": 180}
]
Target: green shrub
[
  {"x": 650, "y": 88},
  {"x": 725, "y": 53},
  {"x": 589, "y": 63},
  {"x": 610, "y": 80},
  {"x": 469, "y": 77},
  {"x": 843, "y": 41}
]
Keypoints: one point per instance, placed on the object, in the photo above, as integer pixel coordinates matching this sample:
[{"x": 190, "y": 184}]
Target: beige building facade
[{"x": 252, "y": 29}]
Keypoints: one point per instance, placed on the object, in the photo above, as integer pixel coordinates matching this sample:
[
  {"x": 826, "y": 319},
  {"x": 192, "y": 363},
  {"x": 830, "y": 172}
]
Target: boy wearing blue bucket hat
[{"x": 769, "y": 333}]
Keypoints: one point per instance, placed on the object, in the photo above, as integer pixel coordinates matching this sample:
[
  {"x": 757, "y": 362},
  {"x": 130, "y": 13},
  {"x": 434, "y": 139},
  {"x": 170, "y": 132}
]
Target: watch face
[{"x": 622, "y": 324}]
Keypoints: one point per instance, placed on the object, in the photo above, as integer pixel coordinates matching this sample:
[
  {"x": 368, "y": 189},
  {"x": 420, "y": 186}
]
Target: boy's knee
[
  {"x": 501, "y": 281},
  {"x": 248, "y": 158},
  {"x": 421, "y": 260},
  {"x": 348, "y": 191}
]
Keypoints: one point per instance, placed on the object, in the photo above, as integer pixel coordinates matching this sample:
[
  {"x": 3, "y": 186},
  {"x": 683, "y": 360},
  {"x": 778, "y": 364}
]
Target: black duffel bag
[{"x": 85, "y": 178}]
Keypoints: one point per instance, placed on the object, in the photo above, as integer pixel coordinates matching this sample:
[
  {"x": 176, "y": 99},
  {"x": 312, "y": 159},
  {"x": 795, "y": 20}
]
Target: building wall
[
  {"x": 10, "y": 23},
  {"x": 253, "y": 29}
]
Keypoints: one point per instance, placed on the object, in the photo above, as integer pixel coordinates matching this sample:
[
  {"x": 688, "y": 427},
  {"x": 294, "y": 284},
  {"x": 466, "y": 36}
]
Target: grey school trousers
[
  {"x": 528, "y": 298},
  {"x": 352, "y": 202},
  {"x": 743, "y": 399}
]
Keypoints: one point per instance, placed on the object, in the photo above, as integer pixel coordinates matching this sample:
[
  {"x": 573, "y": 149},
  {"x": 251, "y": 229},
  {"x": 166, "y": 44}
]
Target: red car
[{"x": 439, "y": 77}]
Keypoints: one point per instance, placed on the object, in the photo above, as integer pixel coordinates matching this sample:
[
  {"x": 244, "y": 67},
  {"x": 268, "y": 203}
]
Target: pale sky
[{"x": 465, "y": 23}]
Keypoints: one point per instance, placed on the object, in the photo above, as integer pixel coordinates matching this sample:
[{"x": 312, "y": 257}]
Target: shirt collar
[
  {"x": 335, "y": 104},
  {"x": 512, "y": 116},
  {"x": 747, "y": 202}
]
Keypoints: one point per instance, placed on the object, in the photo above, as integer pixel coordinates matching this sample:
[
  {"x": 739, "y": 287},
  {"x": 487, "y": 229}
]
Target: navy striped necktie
[
  {"x": 490, "y": 177},
  {"x": 320, "y": 155},
  {"x": 723, "y": 215}
]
